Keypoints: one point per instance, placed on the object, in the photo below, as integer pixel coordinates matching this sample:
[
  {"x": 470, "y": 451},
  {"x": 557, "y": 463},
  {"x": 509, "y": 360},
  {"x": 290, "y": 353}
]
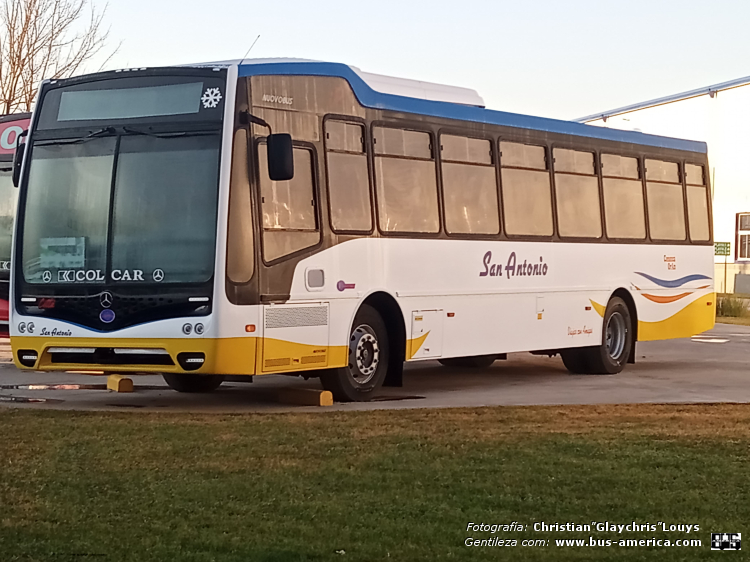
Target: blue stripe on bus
[
  {"x": 673, "y": 283},
  {"x": 378, "y": 100}
]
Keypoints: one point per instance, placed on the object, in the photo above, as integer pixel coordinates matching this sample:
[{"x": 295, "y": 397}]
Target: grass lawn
[{"x": 387, "y": 485}]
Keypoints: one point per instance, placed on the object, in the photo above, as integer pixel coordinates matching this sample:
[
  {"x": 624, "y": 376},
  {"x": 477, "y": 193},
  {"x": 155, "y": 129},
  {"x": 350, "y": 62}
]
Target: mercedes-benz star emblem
[
  {"x": 158, "y": 275},
  {"x": 46, "y": 276},
  {"x": 106, "y": 299}
]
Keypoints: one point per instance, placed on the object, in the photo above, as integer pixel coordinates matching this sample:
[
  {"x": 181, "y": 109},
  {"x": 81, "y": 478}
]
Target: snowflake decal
[{"x": 211, "y": 98}]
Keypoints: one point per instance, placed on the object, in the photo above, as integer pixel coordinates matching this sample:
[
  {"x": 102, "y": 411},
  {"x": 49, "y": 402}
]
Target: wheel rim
[
  {"x": 617, "y": 332},
  {"x": 364, "y": 354}
]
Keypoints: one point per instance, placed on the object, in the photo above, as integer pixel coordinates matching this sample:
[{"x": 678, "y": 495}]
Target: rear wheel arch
[{"x": 625, "y": 295}]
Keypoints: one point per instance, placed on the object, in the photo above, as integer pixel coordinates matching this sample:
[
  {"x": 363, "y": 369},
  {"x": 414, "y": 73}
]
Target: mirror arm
[{"x": 246, "y": 118}]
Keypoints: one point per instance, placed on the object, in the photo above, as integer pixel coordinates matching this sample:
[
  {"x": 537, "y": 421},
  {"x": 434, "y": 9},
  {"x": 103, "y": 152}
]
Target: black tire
[
  {"x": 368, "y": 360},
  {"x": 575, "y": 360},
  {"x": 610, "y": 357},
  {"x": 475, "y": 362},
  {"x": 191, "y": 382}
]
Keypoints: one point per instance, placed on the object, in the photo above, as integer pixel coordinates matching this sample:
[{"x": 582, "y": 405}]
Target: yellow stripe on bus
[
  {"x": 695, "y": 318},
  {"x": 224, "y": 356}
]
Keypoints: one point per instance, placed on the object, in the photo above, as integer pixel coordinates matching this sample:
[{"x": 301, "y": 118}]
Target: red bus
[{"x": 11, "y": 126}]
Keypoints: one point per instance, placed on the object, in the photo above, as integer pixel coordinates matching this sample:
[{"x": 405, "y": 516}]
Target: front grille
[
  {"x": 128, "y": 309},
  {"x": 108, "y": 356}
]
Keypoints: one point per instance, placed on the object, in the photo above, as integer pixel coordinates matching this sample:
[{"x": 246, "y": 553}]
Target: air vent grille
[{"x": 293, "y": 317}]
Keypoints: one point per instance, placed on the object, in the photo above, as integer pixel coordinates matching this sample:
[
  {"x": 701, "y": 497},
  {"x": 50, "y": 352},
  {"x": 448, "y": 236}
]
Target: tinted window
[
  {"x": 517, "y": 155},
  {"x": 623, "y": 197},
  {"x": 8, "y": 198},
  {"x": 406, "y": 181},
  {"x": 67, "y": 209},
  {"x": 465, "y": 149},
  {"x": 577, "y": 194},
  {"x": 400, "y": 142},
  {"x": 166, "y": 193},
  {"x": 469, "y": 186},
  {"x": 348, "y": 178},
  {"x": 240, "y": 263},
  {"x": 697, "y": 202},
  {"x": 666, "y": 211},
  {"x": 619, "y": 167},
  {"x": 289, "y": 222},
  {"x": 527, "y": 198}
]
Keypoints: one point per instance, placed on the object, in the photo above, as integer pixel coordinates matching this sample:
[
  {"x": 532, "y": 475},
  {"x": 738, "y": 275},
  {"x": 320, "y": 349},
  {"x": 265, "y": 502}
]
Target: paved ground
[{"x": 714, "y": 367}]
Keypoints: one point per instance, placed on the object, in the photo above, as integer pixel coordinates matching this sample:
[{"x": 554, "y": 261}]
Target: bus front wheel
[
  {"x": 368, "y": 360},
  {"x": 191, "y": 382},
  {"x": 610, "y": 357}
]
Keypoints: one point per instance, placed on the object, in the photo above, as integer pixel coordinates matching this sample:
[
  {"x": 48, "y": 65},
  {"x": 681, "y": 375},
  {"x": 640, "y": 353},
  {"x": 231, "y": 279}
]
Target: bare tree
[{"x": 44, "y": 39}]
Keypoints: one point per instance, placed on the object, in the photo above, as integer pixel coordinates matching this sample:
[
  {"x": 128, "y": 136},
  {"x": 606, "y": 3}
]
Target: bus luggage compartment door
[
  {"x": 426, "y": 333},
  {"x": 295, "y": 337}
]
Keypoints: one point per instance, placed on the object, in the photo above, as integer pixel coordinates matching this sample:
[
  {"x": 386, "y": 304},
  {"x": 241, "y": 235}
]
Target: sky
[{"x": 563, "y": 59}]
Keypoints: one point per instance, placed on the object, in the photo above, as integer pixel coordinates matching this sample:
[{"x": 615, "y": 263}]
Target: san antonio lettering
[
  {"x": 513, "y": 268},
  {"x": 55, "y": 332}
]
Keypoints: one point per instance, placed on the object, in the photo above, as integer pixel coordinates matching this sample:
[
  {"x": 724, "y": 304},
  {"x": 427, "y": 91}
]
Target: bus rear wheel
[
  {"x": 475, "y": 362},
  {"x": 368, "y": 360},
  {"x": 191, "y": 382},
  {"x": 610, "y": 357}
]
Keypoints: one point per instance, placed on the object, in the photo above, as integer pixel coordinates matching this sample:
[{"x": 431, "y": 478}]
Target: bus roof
[{"x": 379, "y": 92}]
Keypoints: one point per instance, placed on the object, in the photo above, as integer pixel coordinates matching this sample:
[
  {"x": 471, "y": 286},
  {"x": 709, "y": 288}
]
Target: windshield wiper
[
  {"x": 92, "y": 135},
  {"x": 101, "y": 132},
  {"x": 132, "y": 131}
]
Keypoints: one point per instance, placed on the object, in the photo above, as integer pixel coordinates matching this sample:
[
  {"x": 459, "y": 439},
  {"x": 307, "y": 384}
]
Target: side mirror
[
  {"x": 18, "y": 158},
  {"x": 280, "y": 157}
]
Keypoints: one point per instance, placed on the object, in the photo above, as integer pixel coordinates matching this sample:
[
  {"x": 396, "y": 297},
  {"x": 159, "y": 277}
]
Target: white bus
[{"x": 306, "y": 218}]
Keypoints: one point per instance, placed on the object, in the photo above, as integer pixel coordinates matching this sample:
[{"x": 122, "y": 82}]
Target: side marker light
[{"x": 250, "y": 328}]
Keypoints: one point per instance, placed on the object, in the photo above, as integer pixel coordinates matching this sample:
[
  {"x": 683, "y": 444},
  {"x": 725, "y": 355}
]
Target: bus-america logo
[{"x": 513, "y": 267}]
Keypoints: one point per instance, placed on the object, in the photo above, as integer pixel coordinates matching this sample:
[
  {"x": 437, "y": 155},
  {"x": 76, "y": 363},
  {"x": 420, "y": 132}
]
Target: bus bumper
[{"x": 225, "y": 356}]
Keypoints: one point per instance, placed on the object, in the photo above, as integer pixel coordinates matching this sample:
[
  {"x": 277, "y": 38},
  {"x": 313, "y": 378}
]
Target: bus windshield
[{"x": 122, "y": 209}]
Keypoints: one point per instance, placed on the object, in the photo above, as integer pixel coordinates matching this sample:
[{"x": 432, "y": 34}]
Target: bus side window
[
  {"x": 240, "y": 263},
  {"x": 624, "y": 212},
  {"x": 469, "y": 186},
  {"x": 527, "y": 196},
  {"x": 577, "y": 194},
  {"x": 348, "y": 178},
  {"x": 289, "y": 221},
  {"x": 406, "y": 181},
  {"x": 666, "y": 209},
  {"x": 697, "y": 201}
]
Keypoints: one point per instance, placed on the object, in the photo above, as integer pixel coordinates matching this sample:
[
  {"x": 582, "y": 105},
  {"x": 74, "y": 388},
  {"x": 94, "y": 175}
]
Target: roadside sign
[{"x": 721, "y": 248}]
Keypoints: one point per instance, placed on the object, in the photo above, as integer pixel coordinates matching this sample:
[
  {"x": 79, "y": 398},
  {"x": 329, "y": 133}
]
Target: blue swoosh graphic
[{"x": 674, "y": 283}]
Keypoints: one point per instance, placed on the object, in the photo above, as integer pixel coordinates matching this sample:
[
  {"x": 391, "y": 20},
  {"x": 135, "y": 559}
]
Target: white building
[{"x": 719, "y": 116}]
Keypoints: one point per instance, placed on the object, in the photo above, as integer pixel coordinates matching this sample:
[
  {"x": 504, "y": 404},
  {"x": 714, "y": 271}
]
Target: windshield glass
[
  {"x": 162, "y": 202},
  {"x": 8, "y": 198},
  {"x": 165, "y": 207}
]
